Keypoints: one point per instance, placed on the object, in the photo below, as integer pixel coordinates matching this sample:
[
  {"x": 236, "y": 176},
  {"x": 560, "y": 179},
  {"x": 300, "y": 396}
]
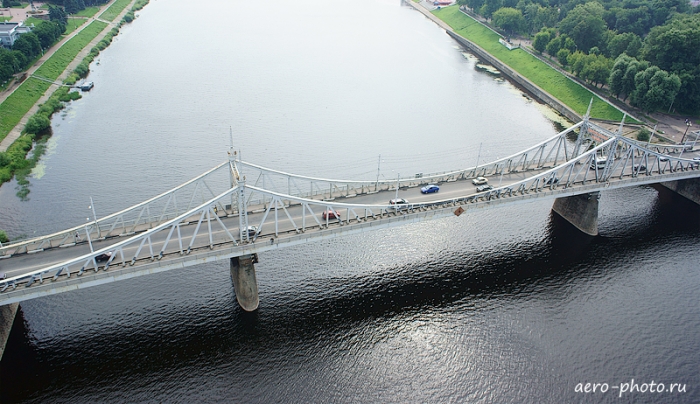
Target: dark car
[
  {"x": 639, "y": 167},
  {"x": 331, "y": 214},
  {"x": 104, "y": 256},
  {"x": 429, "y": 189},
  {"x": 552, "y": 180},
  {"x": 484, "y": 188}
]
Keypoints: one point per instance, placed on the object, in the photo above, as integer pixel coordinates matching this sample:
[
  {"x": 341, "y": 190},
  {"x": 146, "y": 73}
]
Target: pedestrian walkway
[{"x": 17, "y": 131}]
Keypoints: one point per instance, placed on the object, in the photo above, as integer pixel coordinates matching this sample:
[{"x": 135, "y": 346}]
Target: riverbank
[{"x": 8, "y": 312}]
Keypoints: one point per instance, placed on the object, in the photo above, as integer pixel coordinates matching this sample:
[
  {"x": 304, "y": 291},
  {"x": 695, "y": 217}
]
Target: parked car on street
[
  {"x": 479, "y": 181},
  {"x": 428, "y": 189}
]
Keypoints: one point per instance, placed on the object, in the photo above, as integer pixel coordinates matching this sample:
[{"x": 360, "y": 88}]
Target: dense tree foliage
[
  {"x": 585, "y": 25},
  {"x": 590, "y": 37},
  {"x": 654, "y": 89},
  {"x": 509, "y": 19}
]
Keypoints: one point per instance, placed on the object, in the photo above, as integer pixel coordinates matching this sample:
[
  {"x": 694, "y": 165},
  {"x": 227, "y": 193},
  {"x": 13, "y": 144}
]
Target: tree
[
  {"x": 37, "y": 123},
  {"x": 675, "y": 47},
  {"x": 655, "y": 89},
  {"x": 28, "y": 44},
  {"x": 541, "y": 40},
  {"x": 48, "y": 32},
  {"x": 489, "y": 7},
  {"x": 628, "y": 83},
  {"x": 585, "y": 25},
  {"x": 509, "y": 19},
  {"x": 57, "y": 14},
  {"x": 617, "y": 72},
  {"x": 628, "y": 43},
  {"x": 563, "y": 55}
]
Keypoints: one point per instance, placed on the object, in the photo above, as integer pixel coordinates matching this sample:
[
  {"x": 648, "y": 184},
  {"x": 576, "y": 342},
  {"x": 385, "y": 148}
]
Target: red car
[{"x": 331, "y": 214}]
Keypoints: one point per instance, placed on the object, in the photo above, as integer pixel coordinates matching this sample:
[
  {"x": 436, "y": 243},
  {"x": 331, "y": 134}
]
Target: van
[{"x": 599, "y": 162}]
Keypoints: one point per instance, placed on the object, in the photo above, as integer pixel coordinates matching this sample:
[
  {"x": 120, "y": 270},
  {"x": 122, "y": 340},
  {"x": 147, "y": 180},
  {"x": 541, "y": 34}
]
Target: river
[{"x": 509, "y": 305}]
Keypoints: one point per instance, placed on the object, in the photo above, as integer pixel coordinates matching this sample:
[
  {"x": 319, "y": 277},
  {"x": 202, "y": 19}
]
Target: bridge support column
[
  {"x": 580, "y": 210},
  {"x": 690, "y": 189},
  {"x": 7, "y": 318},
  {"x": 245, "y": 284}
]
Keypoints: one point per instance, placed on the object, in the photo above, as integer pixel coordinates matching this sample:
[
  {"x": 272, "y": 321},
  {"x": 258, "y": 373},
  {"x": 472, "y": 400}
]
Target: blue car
[{"x": 428, "y": 189}]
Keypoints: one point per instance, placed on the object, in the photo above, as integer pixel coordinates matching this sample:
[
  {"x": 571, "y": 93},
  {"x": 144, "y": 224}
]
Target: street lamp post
[
  {"x": 688, "y": 124},
  {"x": 398, "y": 176}
]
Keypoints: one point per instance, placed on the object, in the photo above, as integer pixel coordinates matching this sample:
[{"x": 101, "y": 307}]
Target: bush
[
  {"x": 37, "y": 123},
  {"x": 3, "y": 237},
  {"x": 644, "y": 135}
]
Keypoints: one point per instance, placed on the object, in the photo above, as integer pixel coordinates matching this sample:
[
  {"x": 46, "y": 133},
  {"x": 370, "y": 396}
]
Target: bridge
[{"x": 238, "y": 209}]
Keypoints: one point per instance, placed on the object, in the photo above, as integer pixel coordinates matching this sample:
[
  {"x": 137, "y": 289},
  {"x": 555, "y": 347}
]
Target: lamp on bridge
[{"x": 688, "y": 124}]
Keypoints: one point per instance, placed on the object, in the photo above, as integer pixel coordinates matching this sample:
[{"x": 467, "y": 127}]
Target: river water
[{"x": 510, "y": 305}]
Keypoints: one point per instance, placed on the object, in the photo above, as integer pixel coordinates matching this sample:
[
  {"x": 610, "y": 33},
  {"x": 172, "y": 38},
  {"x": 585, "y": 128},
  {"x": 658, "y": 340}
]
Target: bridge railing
[
  {"x": 205, "y": 227},
  {"x": 550, "y": 152},
  {"x": 139, "y": 217}
]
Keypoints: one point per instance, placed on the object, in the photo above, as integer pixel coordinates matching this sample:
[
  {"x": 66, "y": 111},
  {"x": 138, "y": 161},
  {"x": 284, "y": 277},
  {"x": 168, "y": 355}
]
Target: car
[
  {"x": 251, "y": 230},
  {"x": 599, "y": 162},
  {"x": 398, "y": 201},
  {"x": 639, "y": 167},
  {"x": 429, "y": 189},
  {"x": 104, "y": 256},
  {"x": 663, "y": 159},
  {"x": 479, "y": 181},
  {"x": 552, "y": 180},
  {"x": 331, "y": 214},
  {"x": 483, "y": 188}
]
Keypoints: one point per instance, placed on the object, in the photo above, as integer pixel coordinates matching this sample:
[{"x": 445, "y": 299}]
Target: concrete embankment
[{"x": 516, "y": 78}]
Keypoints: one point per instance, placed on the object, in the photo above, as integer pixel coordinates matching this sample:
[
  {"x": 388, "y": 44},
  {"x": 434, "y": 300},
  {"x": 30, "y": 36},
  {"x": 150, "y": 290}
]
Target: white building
[{"x": 10, "y": 31}]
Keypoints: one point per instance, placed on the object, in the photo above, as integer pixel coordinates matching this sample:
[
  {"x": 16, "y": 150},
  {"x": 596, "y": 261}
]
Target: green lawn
[
  {"x": 73, "y": 24},
  {"x": 565, "y": 90},
  {"x": 88, "y": 12},
  {"x": 113, "y": 11},
  {"x": 19, "y": 103},
  {"x": 4, "y": 18},
  {"x": 58, "y": 62}
]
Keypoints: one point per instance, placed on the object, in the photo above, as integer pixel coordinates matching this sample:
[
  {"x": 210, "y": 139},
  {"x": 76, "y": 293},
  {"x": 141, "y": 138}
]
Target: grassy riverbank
[
  {"x": 14, "y": 161},
  {"x": 550, "y": 80},
  {"x": 28, "y": 93}
]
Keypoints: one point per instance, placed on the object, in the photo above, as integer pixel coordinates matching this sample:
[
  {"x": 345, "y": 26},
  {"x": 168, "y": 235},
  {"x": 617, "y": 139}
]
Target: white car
[{"x": 479, "y": 181}]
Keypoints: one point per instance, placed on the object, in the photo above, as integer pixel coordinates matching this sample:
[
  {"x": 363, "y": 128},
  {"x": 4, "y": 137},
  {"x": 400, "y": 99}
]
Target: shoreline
[
  {"x": 8, "y": 312},
  {"x": 673, "y": 127}
]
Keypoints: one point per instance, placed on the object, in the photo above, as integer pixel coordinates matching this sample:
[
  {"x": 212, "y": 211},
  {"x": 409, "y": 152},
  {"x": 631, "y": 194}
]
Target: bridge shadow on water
[{"x": 294, "y": 321}]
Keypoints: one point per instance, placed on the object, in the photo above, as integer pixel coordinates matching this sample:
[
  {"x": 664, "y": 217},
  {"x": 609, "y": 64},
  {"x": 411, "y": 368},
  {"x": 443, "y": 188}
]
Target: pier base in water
[
  {"x": 245, "y": 284},
  {"x": 7, "y": 318},
  {"x": 690, "y": 189},
  {"x": 580, "y": 210}
]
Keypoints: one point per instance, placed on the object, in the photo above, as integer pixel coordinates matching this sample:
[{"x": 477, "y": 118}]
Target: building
[{"x": 10, "y": 31}]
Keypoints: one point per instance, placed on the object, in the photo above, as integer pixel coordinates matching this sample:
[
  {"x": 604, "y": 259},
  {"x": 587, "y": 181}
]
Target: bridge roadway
[{"x": 206, "y": 234}]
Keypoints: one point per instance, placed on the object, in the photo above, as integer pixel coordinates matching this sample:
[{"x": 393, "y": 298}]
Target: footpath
[{"x": 17, "y": 131}]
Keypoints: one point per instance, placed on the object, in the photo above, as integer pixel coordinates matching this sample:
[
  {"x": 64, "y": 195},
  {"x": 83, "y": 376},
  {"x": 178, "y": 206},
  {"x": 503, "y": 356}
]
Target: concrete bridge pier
[
  {"x": 690, "y": 189},
  {"x": 7, "y": 318},
  {"x": 580, "y": 210},
  {"x": 245, "y": 284}
]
